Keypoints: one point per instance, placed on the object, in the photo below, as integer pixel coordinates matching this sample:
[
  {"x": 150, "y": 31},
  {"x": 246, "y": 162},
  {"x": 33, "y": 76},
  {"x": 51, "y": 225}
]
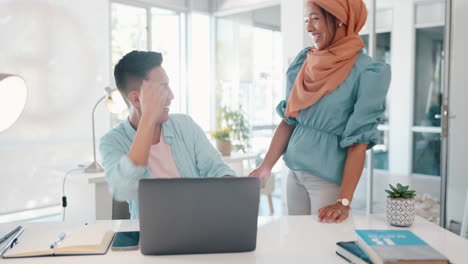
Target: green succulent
[{"x": 400, "y": 191}]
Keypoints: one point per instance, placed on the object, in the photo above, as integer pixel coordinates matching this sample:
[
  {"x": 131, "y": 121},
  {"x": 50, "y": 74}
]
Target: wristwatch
[{"x": 343, "y": 201}]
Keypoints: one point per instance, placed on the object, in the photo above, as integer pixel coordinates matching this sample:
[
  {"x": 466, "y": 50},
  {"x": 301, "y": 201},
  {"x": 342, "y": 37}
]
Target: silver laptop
[{"x": 191, "y": 216}]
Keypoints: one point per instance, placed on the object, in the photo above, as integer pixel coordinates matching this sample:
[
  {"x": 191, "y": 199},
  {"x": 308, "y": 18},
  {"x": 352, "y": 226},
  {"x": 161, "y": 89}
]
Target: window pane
[
  {"x": 265, "y": 93},
  {"x": 128, "y": 32},
  {"x": 428, "y": 76},
  {"x": 426, "y": 153},
  {"x": 166, "y": 38},
  {"x": 383, "y": 46},
  {"x": 278, "y": 89},
  {"x": 383, "y": 54},
  {"x": 249, "y": 59},
  {"x": 262, "y": 93},
  {"x": 128, "y": 25},
  {"x": 381, "y": 151},
  {"x": 199, "y": 91}
]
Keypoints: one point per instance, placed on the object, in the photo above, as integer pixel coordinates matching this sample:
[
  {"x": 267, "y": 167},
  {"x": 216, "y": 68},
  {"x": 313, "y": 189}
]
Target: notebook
[
  {"x": 352, "y": 253},
  {"x": 83, "y": 240},
  {"x": 398, "y": 247}
]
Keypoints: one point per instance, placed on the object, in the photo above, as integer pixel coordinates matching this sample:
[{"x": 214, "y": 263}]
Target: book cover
[
  {"x": 352, "y": 252},
  {"x": 83, "y": 240},
  {"x": 397, "y": 246}
]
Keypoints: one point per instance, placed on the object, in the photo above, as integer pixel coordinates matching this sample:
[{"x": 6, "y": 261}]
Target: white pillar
[
  {"x": 292, "y": 30},
  {"x": 458, "y": 127},
  {"x": 401, "y": 88}
]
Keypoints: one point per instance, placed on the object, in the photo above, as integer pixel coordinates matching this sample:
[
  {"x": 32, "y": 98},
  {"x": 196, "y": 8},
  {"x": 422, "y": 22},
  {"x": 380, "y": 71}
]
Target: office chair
[{"x": 120, "y": 210}]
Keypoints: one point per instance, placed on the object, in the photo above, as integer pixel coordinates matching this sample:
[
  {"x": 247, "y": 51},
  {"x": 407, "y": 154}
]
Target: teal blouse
[{"x": 348, "y": 115}]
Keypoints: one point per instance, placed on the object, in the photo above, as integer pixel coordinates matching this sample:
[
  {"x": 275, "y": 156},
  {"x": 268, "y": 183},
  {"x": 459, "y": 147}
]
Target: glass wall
[
  {"x": 187, "y": 53},
  {"x": 128, "y": 30},
  {"x": 167, "y": 37},
  {"x": 383, "y": 54},
  {"x": 249, "y": 69},
  {"x": 428, "y": 100},
  {"x": 409, "y": 151},
  {"x": 249, "y": 77}
]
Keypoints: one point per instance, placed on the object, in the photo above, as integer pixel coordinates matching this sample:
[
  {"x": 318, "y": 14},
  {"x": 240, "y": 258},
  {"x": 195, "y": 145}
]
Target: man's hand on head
[{"x": 152, "y": 99}]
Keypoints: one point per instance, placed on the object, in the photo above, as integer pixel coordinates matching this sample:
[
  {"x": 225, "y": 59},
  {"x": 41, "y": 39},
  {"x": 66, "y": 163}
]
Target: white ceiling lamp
[{"x": 13, "y": 92}]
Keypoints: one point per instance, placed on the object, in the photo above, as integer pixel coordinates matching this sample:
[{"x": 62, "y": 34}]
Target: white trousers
[{"x": 306, "y": 193}]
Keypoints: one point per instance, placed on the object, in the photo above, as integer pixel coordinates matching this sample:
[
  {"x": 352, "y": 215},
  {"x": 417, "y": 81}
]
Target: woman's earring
[{"x": 340, "y": 24}]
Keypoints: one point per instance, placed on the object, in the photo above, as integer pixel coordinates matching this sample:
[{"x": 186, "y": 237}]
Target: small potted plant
[
  {"x": 233, "y": 131},
  {"x": 223, "y": 140},
  {"x": 401, "y": 205}
]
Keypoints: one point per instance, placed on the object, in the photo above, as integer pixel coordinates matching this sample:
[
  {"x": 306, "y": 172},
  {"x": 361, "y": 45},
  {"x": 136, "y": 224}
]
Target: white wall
[
  {"x": 227, "y": 7},
  {"x": 180, "y": 5},
  {"x": 269, "y": 17},
  {"x": 62, "y": 50},
  {"x": 458, "y": 127},
  {"x": 292, "y": 30},
  {"x": 201, "y": 5}
]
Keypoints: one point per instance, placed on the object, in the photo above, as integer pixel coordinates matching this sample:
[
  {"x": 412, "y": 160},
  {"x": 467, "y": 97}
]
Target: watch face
[{"x": 345, "y": 202}]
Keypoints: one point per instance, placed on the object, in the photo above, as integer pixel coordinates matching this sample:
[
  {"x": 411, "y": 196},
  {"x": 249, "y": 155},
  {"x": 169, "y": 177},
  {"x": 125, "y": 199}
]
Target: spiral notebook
[{"x": 83, "y": 240}]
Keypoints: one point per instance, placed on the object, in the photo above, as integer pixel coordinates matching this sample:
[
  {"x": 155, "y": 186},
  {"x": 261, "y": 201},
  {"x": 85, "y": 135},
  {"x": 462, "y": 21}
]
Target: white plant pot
[{"x": 400, "y": 211}]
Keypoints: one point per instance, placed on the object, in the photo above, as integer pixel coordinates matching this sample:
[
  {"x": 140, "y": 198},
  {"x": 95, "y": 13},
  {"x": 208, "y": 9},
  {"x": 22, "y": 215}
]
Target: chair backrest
[{"x": 120, "y": 210}]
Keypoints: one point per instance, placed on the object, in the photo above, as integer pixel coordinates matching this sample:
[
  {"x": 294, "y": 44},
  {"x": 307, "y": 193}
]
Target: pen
[
  {"x": 60, "y": 238},
  {"x": 9, "y": 234}
]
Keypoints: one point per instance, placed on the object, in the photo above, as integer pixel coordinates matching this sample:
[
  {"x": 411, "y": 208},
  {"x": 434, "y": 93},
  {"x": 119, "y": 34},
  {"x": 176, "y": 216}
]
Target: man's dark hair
[{"x": 134, "y": 67}]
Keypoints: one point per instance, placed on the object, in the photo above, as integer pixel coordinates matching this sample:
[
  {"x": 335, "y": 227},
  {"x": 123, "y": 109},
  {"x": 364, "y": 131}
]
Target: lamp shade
[
  {"x": 115, "y": 103},
  {"x": 13, "y": 92}
]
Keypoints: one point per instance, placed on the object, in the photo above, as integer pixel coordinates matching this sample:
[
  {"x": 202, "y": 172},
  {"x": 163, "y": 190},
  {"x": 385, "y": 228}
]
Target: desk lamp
[{"x": 115, "y": 104}]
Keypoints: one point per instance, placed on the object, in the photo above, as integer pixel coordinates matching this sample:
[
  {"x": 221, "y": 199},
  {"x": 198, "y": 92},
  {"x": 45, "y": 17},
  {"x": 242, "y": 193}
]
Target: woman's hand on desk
[
  {"x": 334, "y": 213},
  {"x": 263, "y": 173}
]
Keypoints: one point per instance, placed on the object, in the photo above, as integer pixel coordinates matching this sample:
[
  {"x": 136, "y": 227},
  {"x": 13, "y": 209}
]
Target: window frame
[{"x": 184, "y": 31}]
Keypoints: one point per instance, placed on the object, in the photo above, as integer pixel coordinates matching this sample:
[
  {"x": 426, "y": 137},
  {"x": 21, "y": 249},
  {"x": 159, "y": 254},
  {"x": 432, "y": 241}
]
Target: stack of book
[
  {"x": 352, "y": 253},
  {"x": 389, "y": 247}
]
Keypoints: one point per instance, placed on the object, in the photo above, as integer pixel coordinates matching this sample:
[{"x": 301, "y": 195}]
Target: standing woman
[{"x": 335, "y": 100}]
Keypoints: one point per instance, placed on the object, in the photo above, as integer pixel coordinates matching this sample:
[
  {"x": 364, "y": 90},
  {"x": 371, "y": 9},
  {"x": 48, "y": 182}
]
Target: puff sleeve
[{"x": 372, "y": 87}]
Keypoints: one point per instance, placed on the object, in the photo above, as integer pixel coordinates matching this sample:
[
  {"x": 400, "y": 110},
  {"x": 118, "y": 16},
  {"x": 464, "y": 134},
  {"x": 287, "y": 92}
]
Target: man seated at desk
[{"x": 151, "y": 143}]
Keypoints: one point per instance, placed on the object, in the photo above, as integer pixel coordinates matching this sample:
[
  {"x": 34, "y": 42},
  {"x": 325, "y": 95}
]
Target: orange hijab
[{"x": 324, "y": 70}]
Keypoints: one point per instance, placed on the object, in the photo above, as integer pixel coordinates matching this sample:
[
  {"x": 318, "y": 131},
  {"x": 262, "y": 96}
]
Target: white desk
[
  {"x": 103, "y": 198},
  {"x": 287, "y": 239},
  {"x": 103, "y": 201}
]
